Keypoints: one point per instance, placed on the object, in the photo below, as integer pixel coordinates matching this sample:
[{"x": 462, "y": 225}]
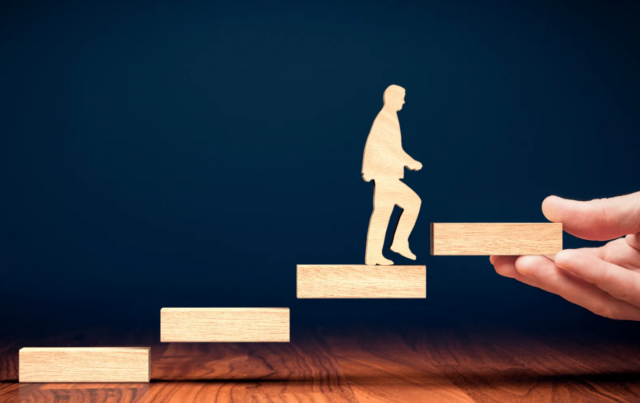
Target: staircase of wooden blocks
[
  {"x": 215, "y": 325},
  {"x": 132, "y": 364}
]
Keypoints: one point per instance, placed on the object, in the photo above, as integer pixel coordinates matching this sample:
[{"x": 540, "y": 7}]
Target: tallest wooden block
[{"x": 483, "y": 239}]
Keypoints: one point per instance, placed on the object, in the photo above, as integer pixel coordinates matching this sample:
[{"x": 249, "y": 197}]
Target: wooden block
[
  {"x": 359, "y": 281},
  {"x": 224, "y": 325},
  {"x": 482, "y": 239},
  {"x": 101, "y": 364}
]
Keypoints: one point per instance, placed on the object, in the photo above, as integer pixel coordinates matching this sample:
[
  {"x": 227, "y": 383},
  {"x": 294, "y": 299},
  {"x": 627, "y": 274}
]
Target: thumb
[{"x": 596, "y": 220}]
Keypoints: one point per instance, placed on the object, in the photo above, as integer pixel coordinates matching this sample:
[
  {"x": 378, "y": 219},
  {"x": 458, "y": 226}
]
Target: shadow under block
[
  {"x": 360, "y": 281},
  {"x": 73, "y": 365},
  {"x": 238, "y": 325},
  {"x": 484, "y": 239}
]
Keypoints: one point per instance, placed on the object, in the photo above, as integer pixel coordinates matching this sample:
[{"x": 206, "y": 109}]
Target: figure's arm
[
  {"x": 383, "y": 149},
  {"x": 401, "y": 157},
  {"x": 409, "y": 162}
]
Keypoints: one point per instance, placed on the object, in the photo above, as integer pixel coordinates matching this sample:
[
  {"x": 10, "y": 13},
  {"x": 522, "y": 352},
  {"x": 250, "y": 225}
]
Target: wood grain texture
[
  {"x": 458, "y": 363},
  {"x": 224, "y": 325},
  {"x": 362, "y": 364},
  {"x": 383, "y": 163},
  {"x": 484, "y": 239},
  {"x": 114, "y": 364},
  {"x": 359, "y": 281},
  {"x": 8, "y": 359}
]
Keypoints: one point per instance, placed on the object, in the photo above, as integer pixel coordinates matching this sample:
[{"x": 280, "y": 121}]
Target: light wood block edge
[
  {"x": 225, "y": 325},
  {"x": 84, "y": 365},
  {"x": 484, "y": 239},
  {"x": 361, "y": 282}
]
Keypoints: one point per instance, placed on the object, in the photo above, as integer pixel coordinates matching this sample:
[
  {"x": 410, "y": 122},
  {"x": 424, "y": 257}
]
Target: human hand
[
  {"x": 414, "y": 165},
  {"x": 604, "y": 280}
]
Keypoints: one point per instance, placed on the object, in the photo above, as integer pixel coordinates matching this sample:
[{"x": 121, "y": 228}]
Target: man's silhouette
[{"x": 384, "y": 162}]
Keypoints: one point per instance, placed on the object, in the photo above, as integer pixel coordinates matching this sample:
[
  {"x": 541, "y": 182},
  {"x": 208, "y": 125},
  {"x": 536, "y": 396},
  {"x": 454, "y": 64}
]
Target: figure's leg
[
  {"x": 410, "y": 203},
  {"x": 382, "y": 210}
]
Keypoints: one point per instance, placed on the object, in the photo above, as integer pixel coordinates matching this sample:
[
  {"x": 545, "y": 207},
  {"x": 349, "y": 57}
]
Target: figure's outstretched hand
[
  {"x": 414, "y": 165},
  {"x": 604, "y": 280}
]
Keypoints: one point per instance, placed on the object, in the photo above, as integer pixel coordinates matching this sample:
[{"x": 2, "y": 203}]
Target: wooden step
[
  {"x": 484, "y": 239},
  {"x": 224, "y": 325},
  {"x": 71, "y": 364},
  {"x": 360, "y": 281}
]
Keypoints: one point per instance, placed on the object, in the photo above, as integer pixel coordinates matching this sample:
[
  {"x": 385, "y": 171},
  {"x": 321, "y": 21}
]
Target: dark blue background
[{"x": 190, "y": 153}]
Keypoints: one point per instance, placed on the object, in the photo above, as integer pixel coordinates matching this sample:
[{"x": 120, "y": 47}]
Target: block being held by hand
[{"x": 484, "y": 239}]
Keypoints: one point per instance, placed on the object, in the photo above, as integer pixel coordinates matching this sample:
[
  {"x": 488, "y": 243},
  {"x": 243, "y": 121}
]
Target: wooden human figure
[{"x": 384, "y": 162}]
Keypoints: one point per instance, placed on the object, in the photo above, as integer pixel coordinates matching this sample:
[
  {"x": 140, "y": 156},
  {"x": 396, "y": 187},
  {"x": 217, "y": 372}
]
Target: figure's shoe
[
  {"x": 378, "y": 260},
  {"x": 403, "y": 250}
]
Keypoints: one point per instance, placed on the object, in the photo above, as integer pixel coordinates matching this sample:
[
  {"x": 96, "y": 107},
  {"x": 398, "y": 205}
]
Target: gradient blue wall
[{"x": 190, "y": 153}]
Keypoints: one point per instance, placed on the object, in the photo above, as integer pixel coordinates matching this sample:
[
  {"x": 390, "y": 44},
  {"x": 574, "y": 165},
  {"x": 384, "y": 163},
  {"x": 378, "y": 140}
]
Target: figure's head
[{"x": 394, "y": 97}]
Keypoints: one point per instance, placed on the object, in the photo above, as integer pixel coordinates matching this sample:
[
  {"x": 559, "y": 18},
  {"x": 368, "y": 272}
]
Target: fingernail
[{"x": 550, "y": 208}]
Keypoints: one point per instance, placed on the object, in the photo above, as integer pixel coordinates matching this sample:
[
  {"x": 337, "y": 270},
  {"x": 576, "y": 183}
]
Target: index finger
[{"x": 596, "y": 220}]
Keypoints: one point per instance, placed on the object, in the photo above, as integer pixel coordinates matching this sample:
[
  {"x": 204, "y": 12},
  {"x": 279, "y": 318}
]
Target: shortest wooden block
[
  {"x": 237, "y": 325},
  {"x": 360, "y": 281},
  {"x": 73, "y": 365},
  {"x": 484, "y": 239}
]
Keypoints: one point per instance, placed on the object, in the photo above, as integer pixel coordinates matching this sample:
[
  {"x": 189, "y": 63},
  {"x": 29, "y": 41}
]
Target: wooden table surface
[{"x": 356, "y": 364}]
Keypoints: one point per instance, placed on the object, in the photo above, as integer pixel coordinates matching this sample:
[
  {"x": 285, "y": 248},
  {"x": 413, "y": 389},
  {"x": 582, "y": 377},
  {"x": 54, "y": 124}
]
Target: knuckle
[
  {"x": 602, "y": 211},
  {"x": 619, "y": 289},
  {"x": 605, "y": 309},
  {"x": 602, "y": 311},
  {"x": 625, "y": 294},
  {"x": 606, "y": 278},
  {"x": 503, "y": 270}
]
